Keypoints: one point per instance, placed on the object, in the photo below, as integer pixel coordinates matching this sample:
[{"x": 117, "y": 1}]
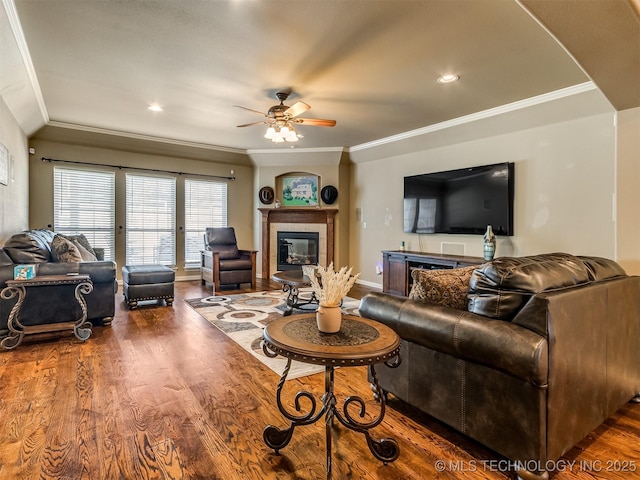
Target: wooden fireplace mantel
[{"x": 295, "y": 215}]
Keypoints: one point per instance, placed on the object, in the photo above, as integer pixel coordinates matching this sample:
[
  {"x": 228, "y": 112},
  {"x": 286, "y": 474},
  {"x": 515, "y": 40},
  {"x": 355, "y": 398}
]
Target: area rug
[{"x": 243, "y": 317}]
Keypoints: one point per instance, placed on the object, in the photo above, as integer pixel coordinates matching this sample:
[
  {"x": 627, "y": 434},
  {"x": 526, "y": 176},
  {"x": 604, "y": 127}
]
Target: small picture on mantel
[{"x": 300, "y": 191}]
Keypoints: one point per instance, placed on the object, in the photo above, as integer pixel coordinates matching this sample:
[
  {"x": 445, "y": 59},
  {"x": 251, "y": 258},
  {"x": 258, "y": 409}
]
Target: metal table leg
[
  {"x": 386, "y": 449},
  {"x": 16, "y": 330}
]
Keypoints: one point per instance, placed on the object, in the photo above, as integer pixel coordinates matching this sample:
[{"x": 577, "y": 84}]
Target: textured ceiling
[{"x": 370, "y": 65}]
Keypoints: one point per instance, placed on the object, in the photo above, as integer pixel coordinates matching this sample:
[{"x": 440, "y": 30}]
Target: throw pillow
[
  {"x": 81, "y": 239},
  {"x": 447, "y": 287},
  {"x": 86, "y": 255},
  {"x": 64, "y": 251}
]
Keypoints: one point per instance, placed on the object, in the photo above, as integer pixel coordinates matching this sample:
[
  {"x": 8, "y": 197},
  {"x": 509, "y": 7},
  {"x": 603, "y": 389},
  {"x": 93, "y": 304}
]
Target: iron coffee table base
[
  {"x": 291, "y": 281},
  {"x": 295, "y": 301}
]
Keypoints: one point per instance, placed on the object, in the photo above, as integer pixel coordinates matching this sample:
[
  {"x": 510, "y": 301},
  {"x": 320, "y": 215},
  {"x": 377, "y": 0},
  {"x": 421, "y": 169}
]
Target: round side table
[{"x": 359, "y": 342}]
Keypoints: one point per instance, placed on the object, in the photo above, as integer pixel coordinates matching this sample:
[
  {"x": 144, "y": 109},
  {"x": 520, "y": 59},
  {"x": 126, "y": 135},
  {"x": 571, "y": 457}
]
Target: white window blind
[
  {"x": 151, "y": 220},
  {"x": 205, "y": 206},
  {"x": 84, "y": 202}
]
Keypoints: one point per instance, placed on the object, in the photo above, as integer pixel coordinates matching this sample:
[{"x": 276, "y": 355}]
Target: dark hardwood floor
[{"x": 162, "y": 394}]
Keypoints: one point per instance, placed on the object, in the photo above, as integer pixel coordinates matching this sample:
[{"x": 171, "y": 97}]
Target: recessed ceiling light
[
  {"x": 448, "y": 78},
  {"x": 154, "y": 107}
]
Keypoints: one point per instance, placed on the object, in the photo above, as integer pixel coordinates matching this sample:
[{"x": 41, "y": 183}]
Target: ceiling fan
[{"x": 281, "y": 119}]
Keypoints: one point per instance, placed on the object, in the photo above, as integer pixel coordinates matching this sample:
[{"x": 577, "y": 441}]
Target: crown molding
[
  {"x": 492, "y": 112},
  {"x": 291, "y": 151},
  {"x": 21, "y": 43},
  {"x": 148, "y": 138}
]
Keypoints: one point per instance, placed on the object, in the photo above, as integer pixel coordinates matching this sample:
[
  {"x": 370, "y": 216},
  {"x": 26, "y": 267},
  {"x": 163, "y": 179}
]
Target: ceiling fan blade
[
  {"x": 251, "y": 110},
  {"x": 251, "y": 124},
  {"x": 316, "y": 122},
  {"x": 296, "y": 109}
]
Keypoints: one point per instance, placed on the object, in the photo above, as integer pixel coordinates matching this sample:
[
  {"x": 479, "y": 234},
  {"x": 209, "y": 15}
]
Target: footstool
[{"x": 147, "y": 282}]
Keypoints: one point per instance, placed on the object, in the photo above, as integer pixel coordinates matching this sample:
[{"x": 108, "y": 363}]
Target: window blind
[
  {"x": 205, "y": 206},
  {"x": 84, "y": 202},
  {"x": 151, "y": 220}
]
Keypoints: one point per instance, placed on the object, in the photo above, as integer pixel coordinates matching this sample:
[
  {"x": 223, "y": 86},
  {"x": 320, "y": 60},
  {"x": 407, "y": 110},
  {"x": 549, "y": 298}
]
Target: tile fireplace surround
[{"x": 319, "y": 220}]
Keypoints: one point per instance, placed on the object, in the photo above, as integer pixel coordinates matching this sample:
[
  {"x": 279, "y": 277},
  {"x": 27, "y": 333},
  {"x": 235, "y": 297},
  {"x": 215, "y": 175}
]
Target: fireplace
[
  {"x": 318, "y": 220},
  {"x": 296, "y": 249}
]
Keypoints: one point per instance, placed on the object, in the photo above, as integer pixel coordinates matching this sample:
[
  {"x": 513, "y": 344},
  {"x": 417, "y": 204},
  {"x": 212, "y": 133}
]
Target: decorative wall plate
[
  {"x": 329, "y": 194},
  {"x": 266, "y": 195}
]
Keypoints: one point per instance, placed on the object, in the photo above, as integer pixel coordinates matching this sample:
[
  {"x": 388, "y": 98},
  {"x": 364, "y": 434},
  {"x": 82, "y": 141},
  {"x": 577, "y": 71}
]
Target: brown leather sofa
[
  {"x": 548, "y": 348},
  {"x": 52, "y": 303}
]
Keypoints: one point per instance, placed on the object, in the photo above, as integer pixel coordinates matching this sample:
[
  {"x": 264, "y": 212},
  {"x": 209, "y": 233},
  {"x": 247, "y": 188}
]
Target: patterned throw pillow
[
  {"x": 447, "y": 287},
  {"x": 64, "y": 250}
]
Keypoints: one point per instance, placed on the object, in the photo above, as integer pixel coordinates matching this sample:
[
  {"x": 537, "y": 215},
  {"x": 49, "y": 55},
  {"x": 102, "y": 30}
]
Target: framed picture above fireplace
[{"x": 300, "y": 190}]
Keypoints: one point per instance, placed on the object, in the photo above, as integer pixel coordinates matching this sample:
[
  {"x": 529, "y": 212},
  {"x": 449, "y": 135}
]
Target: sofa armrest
[
  {"x": 6, "y": 268},
  {"x": 501, "y": 345},
  {"x": 5, "y": 260}
]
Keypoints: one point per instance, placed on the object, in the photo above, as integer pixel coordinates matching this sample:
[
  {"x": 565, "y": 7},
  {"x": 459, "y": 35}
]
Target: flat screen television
[{"x": 460, "y": 201}]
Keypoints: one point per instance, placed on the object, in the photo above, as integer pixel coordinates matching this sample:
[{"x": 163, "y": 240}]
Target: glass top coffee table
[
  {"x": 359, "y": 342},
  {"x": 292, "y": 281}
]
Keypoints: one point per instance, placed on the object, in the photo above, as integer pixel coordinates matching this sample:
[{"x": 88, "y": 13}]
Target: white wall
[
  {"x": 14, "y": 197},
  {"x": 565, "y": 183},
  {"x": 628, "y": 191}
]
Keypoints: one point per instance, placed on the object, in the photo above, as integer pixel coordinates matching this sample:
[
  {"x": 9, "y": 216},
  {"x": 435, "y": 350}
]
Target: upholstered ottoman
[{"x": 147, "y": 282}]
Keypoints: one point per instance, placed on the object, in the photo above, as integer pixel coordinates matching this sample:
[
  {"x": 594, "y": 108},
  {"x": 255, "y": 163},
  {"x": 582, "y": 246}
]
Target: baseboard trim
[{"x": 369, "y": 284}]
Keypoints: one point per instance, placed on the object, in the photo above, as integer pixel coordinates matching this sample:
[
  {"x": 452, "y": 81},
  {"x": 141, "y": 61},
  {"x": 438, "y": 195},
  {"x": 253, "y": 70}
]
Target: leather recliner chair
[{"x": 231, "y": 266}]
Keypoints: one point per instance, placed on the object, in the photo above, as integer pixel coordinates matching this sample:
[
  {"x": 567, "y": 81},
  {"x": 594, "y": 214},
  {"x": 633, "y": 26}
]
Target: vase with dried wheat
[{"x": 330, "y": 287}]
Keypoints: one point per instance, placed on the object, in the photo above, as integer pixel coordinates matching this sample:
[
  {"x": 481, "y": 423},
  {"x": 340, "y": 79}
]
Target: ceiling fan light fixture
[
  {"x": 282, "y": 118},
  {"x": 277, "y": 135},
  {"x": 270, "y": 133},
  {"x": 291, "y": 137}
]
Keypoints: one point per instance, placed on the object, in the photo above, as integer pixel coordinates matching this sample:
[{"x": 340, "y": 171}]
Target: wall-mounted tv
[{"x": 460, "y": 201}]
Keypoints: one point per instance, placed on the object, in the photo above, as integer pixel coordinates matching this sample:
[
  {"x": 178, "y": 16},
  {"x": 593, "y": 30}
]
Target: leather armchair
[{"x": 231, "y": 266}]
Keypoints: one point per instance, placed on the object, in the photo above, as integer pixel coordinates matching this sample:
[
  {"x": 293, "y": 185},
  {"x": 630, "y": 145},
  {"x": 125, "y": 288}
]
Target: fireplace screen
[{"x": 296, "y": 249}]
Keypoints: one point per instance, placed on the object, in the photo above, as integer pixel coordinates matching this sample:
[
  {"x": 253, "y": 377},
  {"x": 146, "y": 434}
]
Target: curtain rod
[{"x": 120, "y": 167}]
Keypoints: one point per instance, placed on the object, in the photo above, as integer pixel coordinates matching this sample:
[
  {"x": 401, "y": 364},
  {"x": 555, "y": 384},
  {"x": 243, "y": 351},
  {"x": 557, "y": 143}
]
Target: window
[
  {"x": 84, "y": 202},
  {"x": 205, "y": 205},
  {"x": 151, "y": 220}
]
